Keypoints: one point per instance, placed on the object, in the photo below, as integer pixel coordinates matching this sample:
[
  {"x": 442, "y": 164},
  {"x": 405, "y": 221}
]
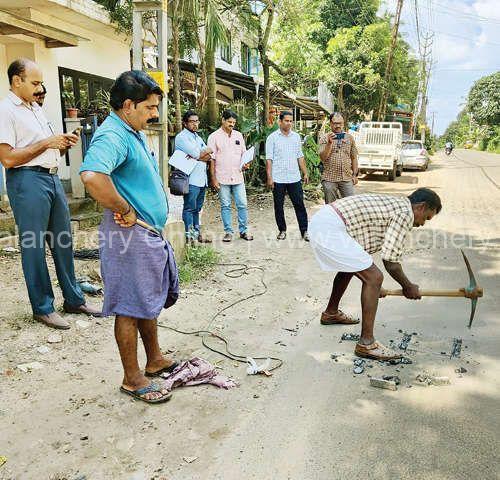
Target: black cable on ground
[{"x": 240, "y": 270}]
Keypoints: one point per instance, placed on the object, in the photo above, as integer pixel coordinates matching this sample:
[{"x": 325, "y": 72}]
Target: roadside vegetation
[
  {"x": 478, "y": 124},
  {"x": 197, "y": 263}
]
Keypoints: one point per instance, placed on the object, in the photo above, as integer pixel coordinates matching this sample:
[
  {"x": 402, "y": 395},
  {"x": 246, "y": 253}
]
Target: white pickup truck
[{"x": 379, "y": 148}]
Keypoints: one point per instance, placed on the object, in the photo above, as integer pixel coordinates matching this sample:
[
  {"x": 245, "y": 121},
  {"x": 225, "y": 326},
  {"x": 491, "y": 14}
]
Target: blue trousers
[
  {"x": 193, "y": 203},
  {"x": 226, "y": 193},
  {"x": 42, "y": 216}
]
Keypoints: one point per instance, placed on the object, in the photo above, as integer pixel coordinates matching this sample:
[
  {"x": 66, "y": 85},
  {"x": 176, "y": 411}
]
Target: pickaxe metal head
[{"x": 473, "y": 291}]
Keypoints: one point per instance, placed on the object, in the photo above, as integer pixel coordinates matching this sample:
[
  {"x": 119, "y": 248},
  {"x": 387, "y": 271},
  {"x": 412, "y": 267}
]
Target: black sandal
[{"x": 163, "y": 370}]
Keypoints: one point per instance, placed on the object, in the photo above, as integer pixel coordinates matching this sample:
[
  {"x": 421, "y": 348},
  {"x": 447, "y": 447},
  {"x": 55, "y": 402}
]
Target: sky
[{"x": 466, "y": 47}]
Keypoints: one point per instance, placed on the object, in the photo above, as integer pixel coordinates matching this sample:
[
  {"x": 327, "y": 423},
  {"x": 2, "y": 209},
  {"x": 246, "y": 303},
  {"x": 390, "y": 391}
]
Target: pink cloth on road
[
  {"x": 195, "y": 372},
  {"x": 227, "y": 152}
]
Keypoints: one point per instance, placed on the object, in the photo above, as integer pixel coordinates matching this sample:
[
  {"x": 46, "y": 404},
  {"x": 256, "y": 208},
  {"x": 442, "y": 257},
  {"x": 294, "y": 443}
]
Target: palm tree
[
  {"x": 184, "y": 15},
  {"x": 215, "y": 36}
]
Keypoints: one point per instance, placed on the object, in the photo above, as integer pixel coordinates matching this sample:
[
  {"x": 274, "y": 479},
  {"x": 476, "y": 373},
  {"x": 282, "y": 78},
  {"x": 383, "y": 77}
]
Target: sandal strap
[
  {"x": 340, "y": 315},
  {"x": 151, "y": 388}
]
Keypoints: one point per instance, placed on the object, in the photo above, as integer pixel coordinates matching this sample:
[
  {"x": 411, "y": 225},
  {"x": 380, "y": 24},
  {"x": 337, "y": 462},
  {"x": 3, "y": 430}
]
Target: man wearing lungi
[
  {"x": 137, "y": 265},
  {"x": 345, "y": 233}
]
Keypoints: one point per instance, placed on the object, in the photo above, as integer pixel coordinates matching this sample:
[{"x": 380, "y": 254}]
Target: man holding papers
[
  {"x": 231, "y": 158},
  {"x": 189, "y": 142}
]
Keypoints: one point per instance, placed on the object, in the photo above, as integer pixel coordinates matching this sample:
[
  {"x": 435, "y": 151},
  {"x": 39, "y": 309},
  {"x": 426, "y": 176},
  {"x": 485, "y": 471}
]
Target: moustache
[{"x": 154, "y": 120}]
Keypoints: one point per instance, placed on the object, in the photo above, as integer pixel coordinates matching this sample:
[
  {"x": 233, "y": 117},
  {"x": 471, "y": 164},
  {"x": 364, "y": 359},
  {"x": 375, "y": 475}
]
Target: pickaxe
[{"x": 473, "y": 291}]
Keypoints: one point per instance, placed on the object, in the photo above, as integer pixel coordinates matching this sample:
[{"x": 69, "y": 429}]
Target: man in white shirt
[
  {"x": 30, "y": 152},
  {"x": 284, "y": 164}
]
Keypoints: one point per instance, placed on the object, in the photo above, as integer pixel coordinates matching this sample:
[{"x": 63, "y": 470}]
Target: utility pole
[
  {"x": 419, "y": 112},
  {"x": 140, "y": 7},
  {"x": 390, "y": 58}
]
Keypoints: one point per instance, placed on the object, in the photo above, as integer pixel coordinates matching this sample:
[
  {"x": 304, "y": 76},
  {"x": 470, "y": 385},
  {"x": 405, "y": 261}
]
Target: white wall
[
  {"x": 106, "y": 56},
  {"x": 238, "y": 35}
]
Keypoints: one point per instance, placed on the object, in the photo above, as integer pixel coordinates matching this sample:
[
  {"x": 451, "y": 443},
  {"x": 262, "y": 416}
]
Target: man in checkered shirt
[
  {"x": 345, "y": 233},
  {"x": 340, "y": 161}
]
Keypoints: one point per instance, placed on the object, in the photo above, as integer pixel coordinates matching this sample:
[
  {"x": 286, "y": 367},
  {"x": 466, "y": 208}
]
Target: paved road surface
[{"x": 318, "y": 422}]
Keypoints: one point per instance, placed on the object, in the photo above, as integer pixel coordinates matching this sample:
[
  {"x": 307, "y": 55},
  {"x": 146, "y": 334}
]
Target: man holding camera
[{"x": 340, "y": 161}]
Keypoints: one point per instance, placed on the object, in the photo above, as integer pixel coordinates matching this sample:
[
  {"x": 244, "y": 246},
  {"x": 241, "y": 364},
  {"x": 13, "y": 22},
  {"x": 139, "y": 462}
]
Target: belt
[
  {"x": 37, "y": 168},
  {"x": 338, "y": 213}
]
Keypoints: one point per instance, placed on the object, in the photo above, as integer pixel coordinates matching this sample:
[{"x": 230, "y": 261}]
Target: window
[
  {"x": 249, "y": 60},
  {"x": 413, "y": 146},
  {"x": 225, "y": 50},
  {"x": 82, "y": 90},
  {"x": 245, "y": 59}
]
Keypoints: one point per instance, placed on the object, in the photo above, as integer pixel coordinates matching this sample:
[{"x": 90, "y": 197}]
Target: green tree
[
  {"x": 336, "y": 14},
  {"x": 458, "y": 131},
  {"x": 300, "y": 59},
  {"x": 484, "y": 100},
  {"x": 184, "y": 14},
  {"x": 216, "y": 35},
  {"x": 120, "y": 13},
  {"x": 356, "y": 64}
]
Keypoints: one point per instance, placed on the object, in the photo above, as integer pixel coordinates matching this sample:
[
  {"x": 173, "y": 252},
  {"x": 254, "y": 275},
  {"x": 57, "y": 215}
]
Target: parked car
[{"x": 414, "y": 155}]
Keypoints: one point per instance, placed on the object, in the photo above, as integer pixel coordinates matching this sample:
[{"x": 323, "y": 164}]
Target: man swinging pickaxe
[{"x": 473, "y": 291}]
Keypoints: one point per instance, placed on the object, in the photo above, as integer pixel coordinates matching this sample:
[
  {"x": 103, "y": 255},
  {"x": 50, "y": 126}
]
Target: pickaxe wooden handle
[
  {"x": 440, "y": 293},
  {"x": 472, "y": 292}
]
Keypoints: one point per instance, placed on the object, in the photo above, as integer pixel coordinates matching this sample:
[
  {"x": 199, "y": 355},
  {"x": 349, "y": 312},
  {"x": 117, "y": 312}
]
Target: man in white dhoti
[{"x": 345, "y": 233}]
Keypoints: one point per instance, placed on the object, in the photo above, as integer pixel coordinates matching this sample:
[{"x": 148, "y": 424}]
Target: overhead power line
[
  {"x": 464, "y": 38},
  {"x": 460, "y": 13}
]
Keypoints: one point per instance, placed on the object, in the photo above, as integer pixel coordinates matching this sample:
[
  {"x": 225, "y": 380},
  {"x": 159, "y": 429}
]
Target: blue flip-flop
[{"x": 152, "y": 387}]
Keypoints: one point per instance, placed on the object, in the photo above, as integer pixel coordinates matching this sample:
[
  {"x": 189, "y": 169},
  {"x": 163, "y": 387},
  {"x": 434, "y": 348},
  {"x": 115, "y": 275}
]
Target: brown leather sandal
[
  {"x": 376, "y": 351},
  {"x": 339, "y": 318}
]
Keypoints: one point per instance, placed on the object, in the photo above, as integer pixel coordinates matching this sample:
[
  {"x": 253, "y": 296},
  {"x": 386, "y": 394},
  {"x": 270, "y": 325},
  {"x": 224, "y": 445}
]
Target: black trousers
[{"x": 296, "y": 195}]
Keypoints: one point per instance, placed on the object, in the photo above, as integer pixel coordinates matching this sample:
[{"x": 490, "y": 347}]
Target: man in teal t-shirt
[
  {"x": 137, "y": 266},
  {"x": 122, "y": 153}
]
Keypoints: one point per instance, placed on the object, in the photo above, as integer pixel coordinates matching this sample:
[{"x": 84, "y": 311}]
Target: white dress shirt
[{"x": 22, "y": 126}]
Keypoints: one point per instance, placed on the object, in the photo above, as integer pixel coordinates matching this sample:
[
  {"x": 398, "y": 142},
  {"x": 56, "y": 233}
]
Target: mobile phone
[{"x": 77, "y": 131}]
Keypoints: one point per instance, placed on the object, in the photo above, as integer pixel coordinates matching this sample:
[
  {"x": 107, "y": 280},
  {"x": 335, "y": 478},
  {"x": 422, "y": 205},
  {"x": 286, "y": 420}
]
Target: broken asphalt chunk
[
  {"x": 427, "y": 379},
  {"x": 456, "y": 348},
  {"x": 405, "y": 341},
  {"x": 381, "y": 383},
  {"x": 394, "y": 378},
  {"x": 354, "y": 337}
]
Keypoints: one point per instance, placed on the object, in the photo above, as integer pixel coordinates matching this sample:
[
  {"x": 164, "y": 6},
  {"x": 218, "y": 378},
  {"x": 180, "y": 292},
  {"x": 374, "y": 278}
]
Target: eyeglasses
[{"x": 193, "y": 121}]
